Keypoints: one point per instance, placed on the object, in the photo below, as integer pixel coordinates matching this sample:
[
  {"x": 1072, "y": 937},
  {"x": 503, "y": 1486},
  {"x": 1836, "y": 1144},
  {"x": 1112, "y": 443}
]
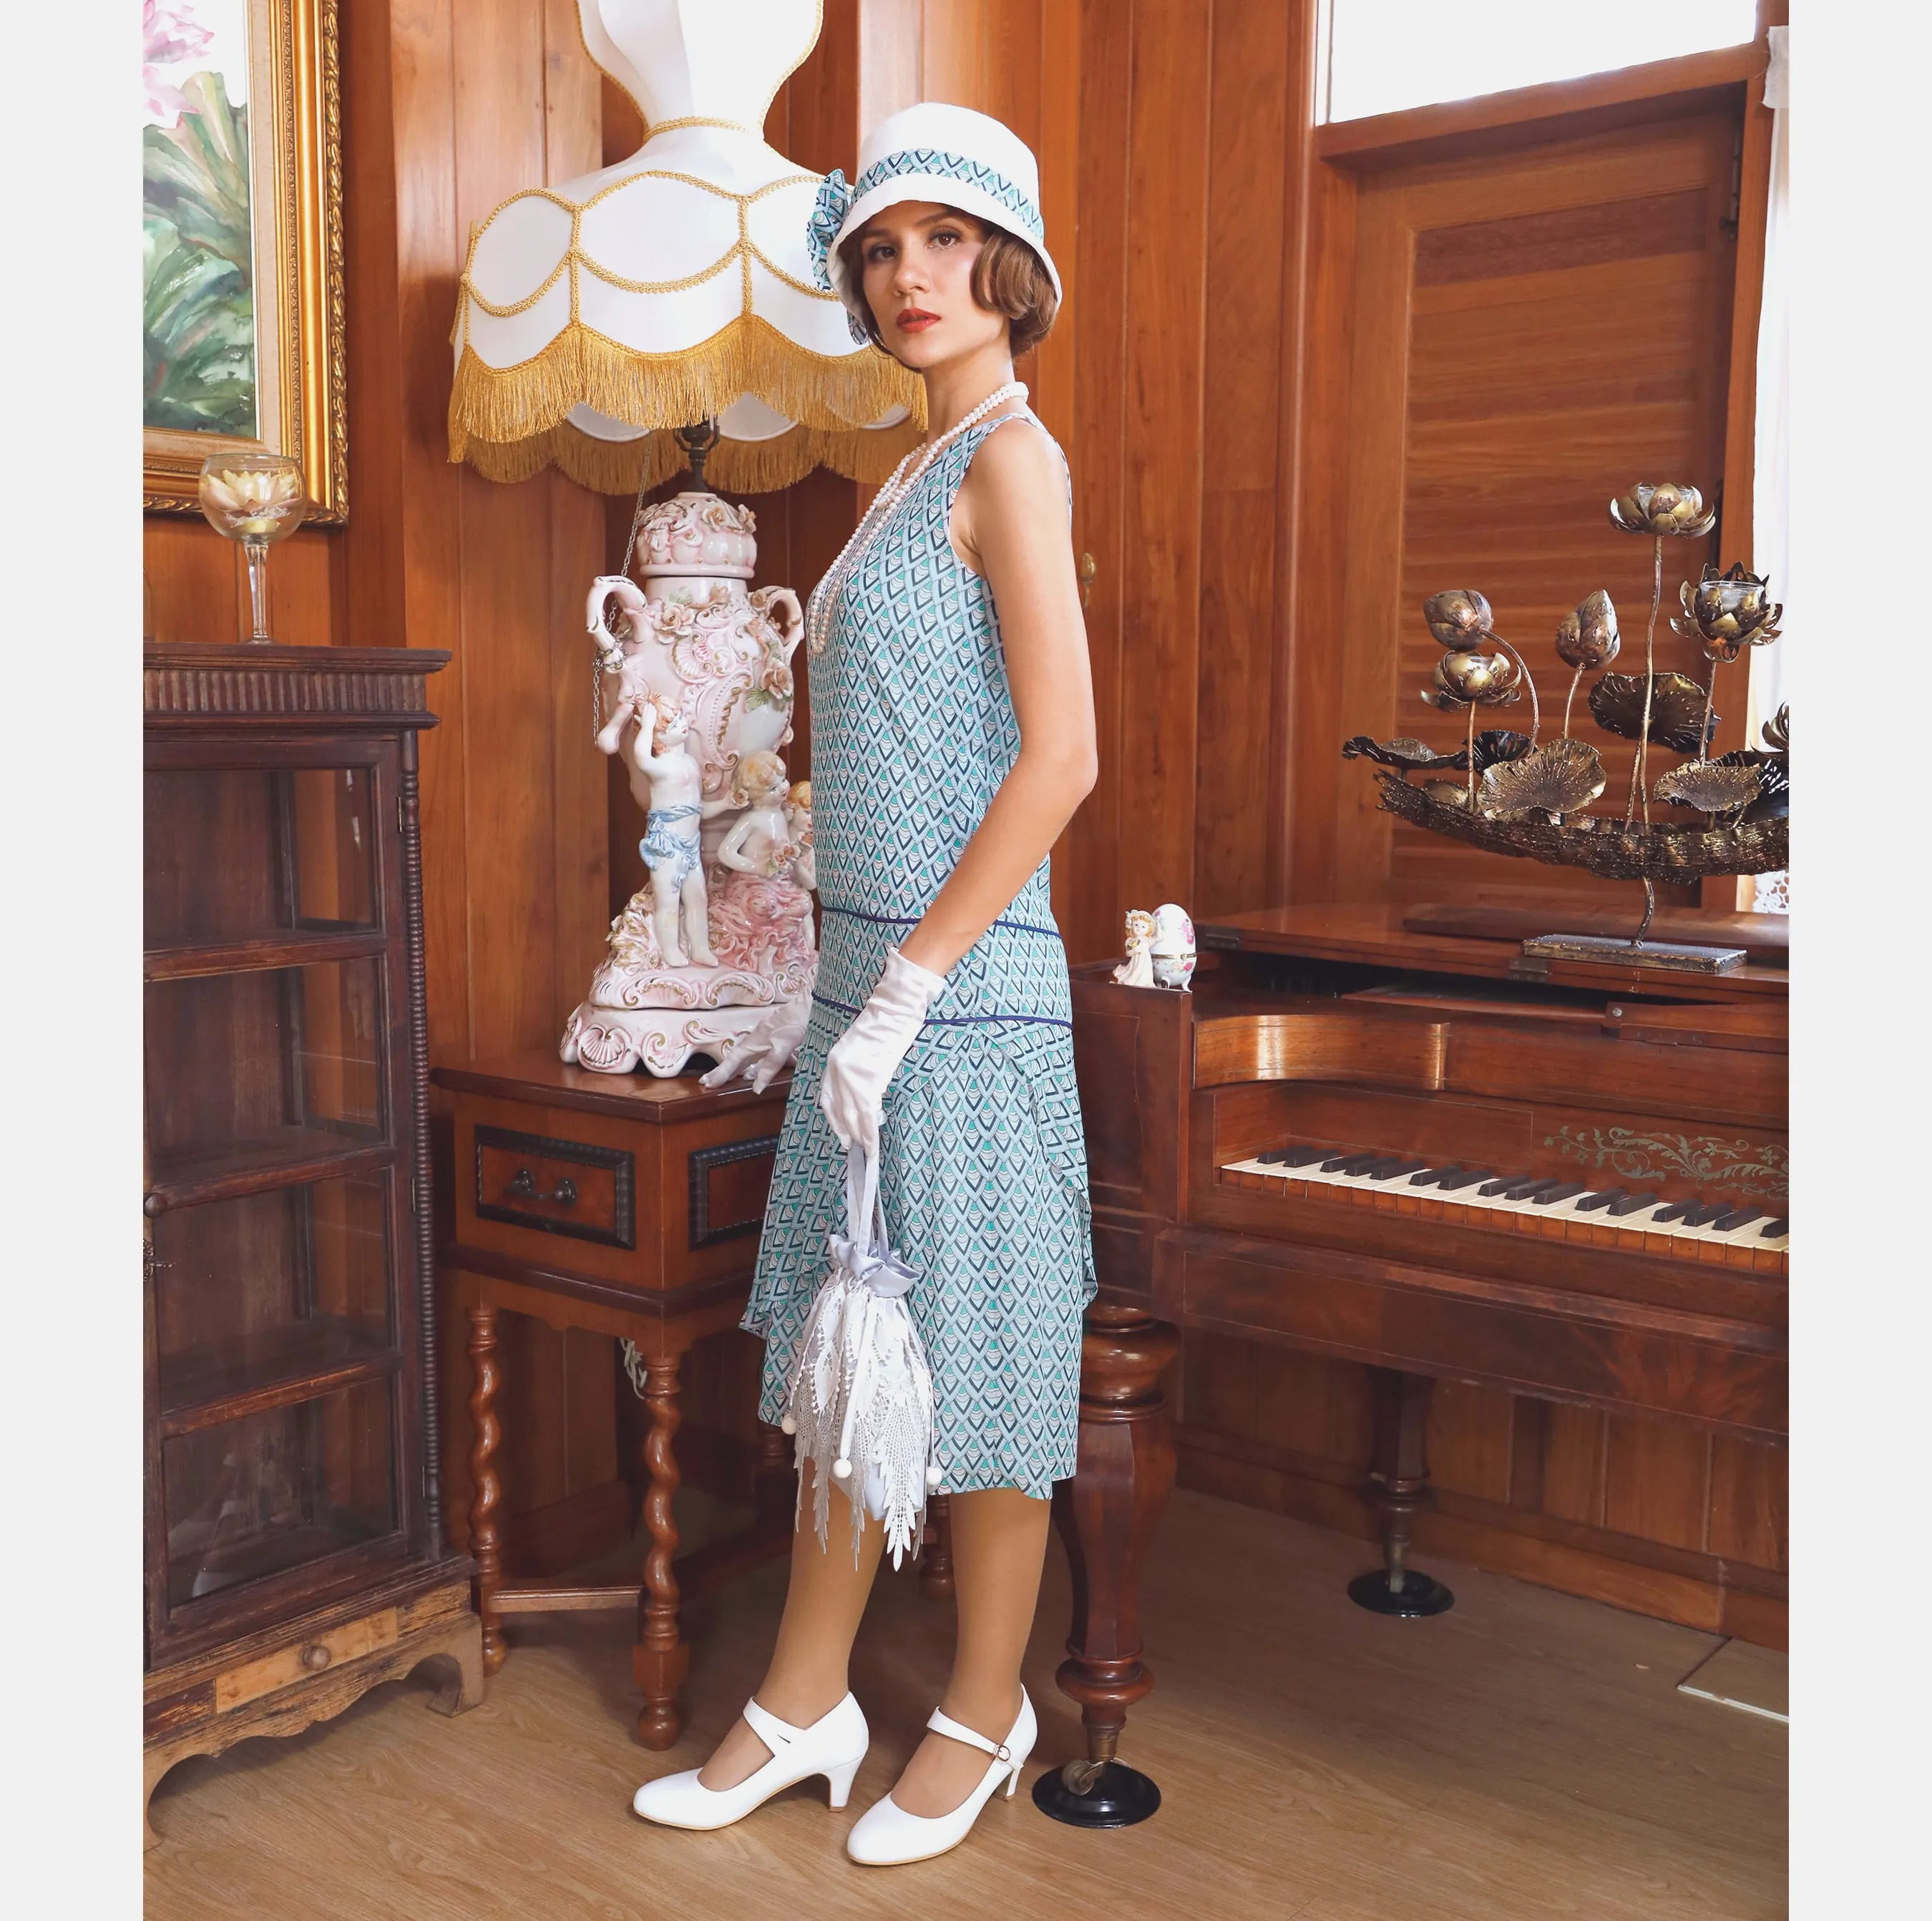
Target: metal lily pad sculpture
[
  {"x": 1493, "y": 745},
  {"x": 1533, "y": 801},
  {"x": 1673, "y": 710},
  {"x": 1710, "y": 785},
  {"x": 1555, "y": 779}
]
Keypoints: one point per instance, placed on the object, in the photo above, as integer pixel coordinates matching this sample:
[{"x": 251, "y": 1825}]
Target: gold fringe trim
[
  {"x": 835, "y": 393},
  {"x": 733, "y": 466}
]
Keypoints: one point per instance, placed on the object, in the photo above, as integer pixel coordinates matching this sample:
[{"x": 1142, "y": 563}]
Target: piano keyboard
[{"x": 1722, "y": 1232}]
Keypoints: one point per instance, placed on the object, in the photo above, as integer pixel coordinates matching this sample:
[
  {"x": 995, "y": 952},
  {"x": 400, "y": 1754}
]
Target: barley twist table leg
[
  {"x": 660, "y": 1657},
  {"x": 486, "y": 1491}
]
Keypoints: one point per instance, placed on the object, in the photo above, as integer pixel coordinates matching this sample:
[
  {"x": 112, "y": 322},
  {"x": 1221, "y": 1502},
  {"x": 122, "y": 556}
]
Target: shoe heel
[{"x": 838, "y": 1783}]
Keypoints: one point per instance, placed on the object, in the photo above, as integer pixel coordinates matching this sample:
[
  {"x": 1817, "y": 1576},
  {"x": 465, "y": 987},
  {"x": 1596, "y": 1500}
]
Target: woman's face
[{"x": 918, "y": 258}]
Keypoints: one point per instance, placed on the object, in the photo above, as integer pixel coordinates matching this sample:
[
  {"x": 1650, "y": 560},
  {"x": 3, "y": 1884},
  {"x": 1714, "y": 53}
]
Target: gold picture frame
[{"x": 293, "y": 174}]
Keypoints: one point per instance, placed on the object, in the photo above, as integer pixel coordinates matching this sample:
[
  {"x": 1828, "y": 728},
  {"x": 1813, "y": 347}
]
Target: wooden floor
[{"x": 1525, "y": 1754}]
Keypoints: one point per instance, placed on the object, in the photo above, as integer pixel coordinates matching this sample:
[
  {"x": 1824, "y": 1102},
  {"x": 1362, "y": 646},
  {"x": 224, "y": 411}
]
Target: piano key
[
  {"x": 1435, "y": 1176},
  {"x": 1272, "y": 1156},
  {"x": 1675, "y": 1210},
  {"x": 1705, "y": 1213},
  {"x": 1495, "y": 1184},
  {"x": 1602, "y": 1197},
  {"x": 1303, "y": 1157},
  {"x": 1632, "y": 1204},
  {"x": 1387, "y": 1170},
  {"x": 1774, "y": 1231},
  {"x": 1566, "y": 1191},
  {"x": 1344, "y": 1163},
  {"x": 1466, "y": 1177},
  {"x": 1530, "y": 1185},
  {"x": 1738, "y": 1217}
]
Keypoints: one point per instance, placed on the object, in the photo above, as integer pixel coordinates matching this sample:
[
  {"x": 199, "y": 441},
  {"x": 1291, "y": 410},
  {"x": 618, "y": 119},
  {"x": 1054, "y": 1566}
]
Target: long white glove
[
  {"x": 763, "y": 1053},
  {"x": 864, "y": 1058}
]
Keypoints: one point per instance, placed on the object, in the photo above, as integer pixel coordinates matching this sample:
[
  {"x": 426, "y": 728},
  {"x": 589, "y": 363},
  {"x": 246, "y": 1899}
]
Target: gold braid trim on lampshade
[
  {"x": 735, "y": 466},
  {"x": 835, "y": 394}
]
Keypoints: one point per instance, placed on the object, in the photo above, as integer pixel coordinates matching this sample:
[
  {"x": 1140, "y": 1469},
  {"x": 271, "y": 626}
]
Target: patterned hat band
[{"x": 988, "y": 189}]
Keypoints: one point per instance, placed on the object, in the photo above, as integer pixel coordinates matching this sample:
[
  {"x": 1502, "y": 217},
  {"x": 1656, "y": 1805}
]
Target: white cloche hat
[{"x": 936, "y": 152}]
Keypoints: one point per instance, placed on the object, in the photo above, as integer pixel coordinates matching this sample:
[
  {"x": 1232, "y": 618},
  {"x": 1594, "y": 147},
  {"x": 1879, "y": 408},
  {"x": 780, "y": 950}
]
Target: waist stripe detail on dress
[
  {"x": 913, "y": 921},
  {"x": 957, "y": 1020}
]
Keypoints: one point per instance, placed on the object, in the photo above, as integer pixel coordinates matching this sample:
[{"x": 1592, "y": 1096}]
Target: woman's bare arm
[{"x": 1009, "y": 521}]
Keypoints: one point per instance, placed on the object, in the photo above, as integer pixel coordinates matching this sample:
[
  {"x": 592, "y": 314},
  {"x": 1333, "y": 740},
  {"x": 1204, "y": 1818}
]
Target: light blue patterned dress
[{"x": 984, "y": 1170}]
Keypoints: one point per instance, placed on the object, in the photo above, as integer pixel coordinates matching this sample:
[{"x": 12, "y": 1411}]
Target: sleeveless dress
[{"x": 983, "y": 1166}]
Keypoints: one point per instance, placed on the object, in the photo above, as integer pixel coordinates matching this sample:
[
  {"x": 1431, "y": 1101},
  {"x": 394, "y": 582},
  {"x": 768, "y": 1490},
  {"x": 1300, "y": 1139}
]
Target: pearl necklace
[{"x": 896, "y": 488}]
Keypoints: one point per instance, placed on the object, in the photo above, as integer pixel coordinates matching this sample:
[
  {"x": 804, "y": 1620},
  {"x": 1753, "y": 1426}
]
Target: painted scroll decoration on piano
[{"x": 1516, "y": 796}]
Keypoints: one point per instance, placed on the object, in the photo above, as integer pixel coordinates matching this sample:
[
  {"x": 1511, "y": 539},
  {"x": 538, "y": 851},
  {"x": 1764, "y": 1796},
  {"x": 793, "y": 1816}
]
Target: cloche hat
[{"x": 936, "y": 152}]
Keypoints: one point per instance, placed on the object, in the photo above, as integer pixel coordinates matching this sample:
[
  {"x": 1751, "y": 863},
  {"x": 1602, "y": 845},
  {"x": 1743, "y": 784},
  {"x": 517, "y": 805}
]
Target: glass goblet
[{"x": 256, "y": 498}]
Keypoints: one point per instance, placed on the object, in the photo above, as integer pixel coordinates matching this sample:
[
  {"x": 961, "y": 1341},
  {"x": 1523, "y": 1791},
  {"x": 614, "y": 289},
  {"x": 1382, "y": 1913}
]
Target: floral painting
[{"x": 198, "y": 276}]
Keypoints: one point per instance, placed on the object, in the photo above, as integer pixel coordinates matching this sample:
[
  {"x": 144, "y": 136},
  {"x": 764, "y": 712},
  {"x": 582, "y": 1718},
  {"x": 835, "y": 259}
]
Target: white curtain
[{"x": 1771, "y": 494}]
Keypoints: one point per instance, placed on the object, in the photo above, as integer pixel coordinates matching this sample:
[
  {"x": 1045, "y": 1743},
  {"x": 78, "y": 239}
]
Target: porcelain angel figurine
[
  {"x": 798, "y": 820},
  {"x": 1137, "y": 969},
  {"x": 672, "y": 842},
  {"x": 760, "y": 841}
]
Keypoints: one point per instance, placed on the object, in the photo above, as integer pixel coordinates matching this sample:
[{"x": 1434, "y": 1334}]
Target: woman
[{"x": 953, "y": 713}]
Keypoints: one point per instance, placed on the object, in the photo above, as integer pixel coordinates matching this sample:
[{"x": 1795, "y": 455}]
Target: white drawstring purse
[{"x": 860, "y": 1398}]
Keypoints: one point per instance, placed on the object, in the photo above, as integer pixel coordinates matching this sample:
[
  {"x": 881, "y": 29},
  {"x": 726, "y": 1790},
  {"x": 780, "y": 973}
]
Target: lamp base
[{"x": 1607, "y": 950}]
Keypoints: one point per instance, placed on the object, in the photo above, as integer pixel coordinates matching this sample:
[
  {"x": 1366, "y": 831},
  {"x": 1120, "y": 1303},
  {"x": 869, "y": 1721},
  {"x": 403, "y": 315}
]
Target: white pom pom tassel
[
  {"x": 790, "y": 1424},
  {"x": 842, "y": 1469},
  {"x": 934, "y": 1475}
]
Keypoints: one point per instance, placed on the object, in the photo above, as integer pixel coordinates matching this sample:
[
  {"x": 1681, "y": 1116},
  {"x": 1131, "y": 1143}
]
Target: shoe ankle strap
[
  {"x": 944, "y": 1724},
  {"x": 777, "y": 1735}
]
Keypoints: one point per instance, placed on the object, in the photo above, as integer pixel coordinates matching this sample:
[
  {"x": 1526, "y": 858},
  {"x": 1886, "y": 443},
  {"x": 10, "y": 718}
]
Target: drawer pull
[
  {"x": 315, "y": 1657},
  {"x": 523, "y": 1187}
]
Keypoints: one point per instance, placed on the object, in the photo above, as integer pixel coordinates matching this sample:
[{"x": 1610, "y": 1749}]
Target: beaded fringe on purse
[{"x": 860, "y": 1398}]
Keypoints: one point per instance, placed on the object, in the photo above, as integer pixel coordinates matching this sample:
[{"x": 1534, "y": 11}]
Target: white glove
[
  {"x": 764, "y": 1052},
  {"x": 864, "y": 1058}
]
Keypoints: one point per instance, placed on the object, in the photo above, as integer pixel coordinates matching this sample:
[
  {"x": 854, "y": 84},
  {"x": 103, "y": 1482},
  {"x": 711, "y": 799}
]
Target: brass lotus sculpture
[
  {"x": 1459, "y": 617},
  {"x": 1710, "y": 785},
  {"x": 1672, "y": 710},
  {"x": 1533, "y": 800},
  {"x": 1659, "y": 508},
  {"x": 1728, "y": 612},
  {"x": 1491, "y": 745},
  {"x": 1554, "y": 781},
  {"x": 1663, "y": 507},
  {"x": 1587, "y": 638}
]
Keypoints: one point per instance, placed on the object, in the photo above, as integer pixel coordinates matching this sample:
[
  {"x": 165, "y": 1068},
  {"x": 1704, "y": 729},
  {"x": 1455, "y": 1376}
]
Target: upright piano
[{"x": 1429, "y": 1153}]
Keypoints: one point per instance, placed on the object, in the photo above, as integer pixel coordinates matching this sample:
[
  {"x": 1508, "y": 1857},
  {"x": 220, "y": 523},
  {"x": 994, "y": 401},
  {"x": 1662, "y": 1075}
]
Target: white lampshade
[{"x": 594, "y": 317}]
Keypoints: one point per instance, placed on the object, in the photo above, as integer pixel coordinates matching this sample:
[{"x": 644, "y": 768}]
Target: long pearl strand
[{"x": 896, "y": 488}]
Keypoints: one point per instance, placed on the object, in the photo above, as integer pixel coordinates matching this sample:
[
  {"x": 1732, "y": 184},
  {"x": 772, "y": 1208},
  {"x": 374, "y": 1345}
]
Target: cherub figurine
[
  {"x": 1137, "y": 969},
  {"x": 798, "y": 820},
  {"x": 760, "y": 841},
  {"x": 671, "y": 846}
]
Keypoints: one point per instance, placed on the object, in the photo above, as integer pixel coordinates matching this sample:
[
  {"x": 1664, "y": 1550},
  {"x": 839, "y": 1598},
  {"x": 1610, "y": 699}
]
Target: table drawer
[{"x": 573, "y": 1188}]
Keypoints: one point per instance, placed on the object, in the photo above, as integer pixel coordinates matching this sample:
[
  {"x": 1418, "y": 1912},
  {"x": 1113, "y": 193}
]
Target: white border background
[{"x": 70, "y": 1410}]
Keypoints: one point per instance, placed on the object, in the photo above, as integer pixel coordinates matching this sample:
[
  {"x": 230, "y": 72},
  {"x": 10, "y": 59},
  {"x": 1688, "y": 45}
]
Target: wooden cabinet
[{"x": 294, "y": 1539}]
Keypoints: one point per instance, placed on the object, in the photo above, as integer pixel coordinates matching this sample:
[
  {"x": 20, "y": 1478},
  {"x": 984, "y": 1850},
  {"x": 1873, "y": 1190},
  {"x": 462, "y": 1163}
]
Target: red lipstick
[{"x": 915, "y": 320}]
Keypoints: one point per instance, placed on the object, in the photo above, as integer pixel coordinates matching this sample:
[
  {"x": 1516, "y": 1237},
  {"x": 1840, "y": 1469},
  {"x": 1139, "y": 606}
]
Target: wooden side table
[{"x": 623, "y": 1205}]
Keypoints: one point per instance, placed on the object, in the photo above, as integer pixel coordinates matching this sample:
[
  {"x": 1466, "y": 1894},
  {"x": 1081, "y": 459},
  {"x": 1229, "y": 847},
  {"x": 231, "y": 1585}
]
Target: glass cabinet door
[
  {"x": 240, "y": 853},
  {"x": 272, "y": 1051}
]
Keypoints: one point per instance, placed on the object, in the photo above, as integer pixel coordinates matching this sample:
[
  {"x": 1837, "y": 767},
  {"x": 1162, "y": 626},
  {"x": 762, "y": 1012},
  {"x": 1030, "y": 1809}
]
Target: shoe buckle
[{"x": 1002, "y": 1752}]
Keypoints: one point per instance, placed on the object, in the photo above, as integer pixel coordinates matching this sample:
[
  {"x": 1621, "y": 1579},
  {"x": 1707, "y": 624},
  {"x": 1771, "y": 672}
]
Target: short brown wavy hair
[{"x": 1009, "y": 277}]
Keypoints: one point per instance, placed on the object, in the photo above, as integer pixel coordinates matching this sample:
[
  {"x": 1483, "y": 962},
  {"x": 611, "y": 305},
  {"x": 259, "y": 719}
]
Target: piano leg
[
  {"x": 1398, "y": 1489},
  {"x": 1106, "y": 1516},
  {"x": 935, "y": 1559}
]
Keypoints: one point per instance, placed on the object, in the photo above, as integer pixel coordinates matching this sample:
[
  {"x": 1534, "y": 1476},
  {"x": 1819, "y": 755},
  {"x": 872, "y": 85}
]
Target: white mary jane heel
[
  {"x": 886, "y": 1835},
  {"x": 833, "y": 1745}
]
